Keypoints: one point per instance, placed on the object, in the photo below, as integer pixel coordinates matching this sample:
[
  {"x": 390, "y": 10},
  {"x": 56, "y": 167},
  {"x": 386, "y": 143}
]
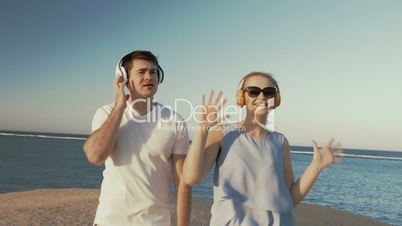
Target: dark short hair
[{"x": 127, "y": 60}]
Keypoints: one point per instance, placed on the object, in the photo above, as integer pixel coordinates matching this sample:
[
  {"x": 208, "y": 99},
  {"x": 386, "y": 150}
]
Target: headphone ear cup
[
  {"x": 161, "y": 74},
  {"x": 123, "y": 72},
  {"x": 120, "y": 71},
  {"x": 240, "y": 101},
  {"x": 277, "y": 100}
]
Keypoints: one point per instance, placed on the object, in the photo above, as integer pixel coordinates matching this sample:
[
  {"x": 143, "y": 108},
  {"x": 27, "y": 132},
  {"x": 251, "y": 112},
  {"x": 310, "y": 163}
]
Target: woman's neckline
[{"x": 242, "y": 131}]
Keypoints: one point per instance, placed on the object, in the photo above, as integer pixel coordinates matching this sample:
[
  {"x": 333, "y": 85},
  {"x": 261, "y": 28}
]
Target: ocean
[{"x": 367, "y": 182}]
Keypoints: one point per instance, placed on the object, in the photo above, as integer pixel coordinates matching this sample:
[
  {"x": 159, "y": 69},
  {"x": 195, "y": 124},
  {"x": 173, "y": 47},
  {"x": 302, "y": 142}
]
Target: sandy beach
[{"x": 78, "y": 206}]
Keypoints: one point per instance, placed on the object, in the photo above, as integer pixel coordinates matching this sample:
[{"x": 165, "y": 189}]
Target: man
[{"x": 138, "y": 140}]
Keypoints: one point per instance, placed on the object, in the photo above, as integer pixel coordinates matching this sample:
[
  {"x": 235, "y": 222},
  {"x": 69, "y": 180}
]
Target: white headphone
[{"x": 120, "y": 70}]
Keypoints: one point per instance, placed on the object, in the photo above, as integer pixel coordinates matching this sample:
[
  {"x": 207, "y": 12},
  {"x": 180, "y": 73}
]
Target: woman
[{"x": 253, "y": 181}]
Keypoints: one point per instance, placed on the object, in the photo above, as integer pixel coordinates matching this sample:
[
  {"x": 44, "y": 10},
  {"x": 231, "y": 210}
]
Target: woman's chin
[{"x": 261, "y": 111}]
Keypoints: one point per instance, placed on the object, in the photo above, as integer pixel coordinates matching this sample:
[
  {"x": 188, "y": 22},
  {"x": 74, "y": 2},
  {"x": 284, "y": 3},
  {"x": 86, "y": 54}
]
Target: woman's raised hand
[
  {"x": 209, "y": 111},
  {"x": 325, "y": 156}
]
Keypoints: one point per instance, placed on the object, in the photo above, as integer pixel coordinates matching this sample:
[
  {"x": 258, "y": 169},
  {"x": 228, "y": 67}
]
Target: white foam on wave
[
  {"x": 42, "y": 136},
  {"x": 352, "y": 155}
]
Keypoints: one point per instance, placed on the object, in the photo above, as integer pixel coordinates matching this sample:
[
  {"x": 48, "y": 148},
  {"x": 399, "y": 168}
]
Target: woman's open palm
[
  {"x": 325, "y": 156},
  {"x": 209, "y": 116}
]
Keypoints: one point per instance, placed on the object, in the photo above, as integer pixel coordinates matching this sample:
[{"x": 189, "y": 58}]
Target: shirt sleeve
[
  {"x": 182, "y": 140},
  {"x": 99, "y": 118}
]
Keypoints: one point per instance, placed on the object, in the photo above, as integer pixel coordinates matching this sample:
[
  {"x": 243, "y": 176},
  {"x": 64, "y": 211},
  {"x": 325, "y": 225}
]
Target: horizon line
[{"x": 86, "y": 135}]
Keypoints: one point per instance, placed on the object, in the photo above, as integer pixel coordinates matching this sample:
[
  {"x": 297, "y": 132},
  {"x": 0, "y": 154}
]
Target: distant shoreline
[{"x": 78, "y": 206}]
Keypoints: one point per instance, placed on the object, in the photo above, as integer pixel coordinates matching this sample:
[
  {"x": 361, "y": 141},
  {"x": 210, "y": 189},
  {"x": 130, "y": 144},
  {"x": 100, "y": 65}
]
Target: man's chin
[
  {"x": 143, "y": 96},
  {"x": 147, "y": 94}
]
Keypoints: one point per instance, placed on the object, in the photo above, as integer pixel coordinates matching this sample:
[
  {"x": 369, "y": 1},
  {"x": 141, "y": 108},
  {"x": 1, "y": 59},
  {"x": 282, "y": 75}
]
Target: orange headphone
[{"x": 241, "y": 100}]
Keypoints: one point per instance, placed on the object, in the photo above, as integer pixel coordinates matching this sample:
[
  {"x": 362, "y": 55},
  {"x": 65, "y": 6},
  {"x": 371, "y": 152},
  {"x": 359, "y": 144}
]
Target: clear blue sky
[{"x": 338, "y": 63}]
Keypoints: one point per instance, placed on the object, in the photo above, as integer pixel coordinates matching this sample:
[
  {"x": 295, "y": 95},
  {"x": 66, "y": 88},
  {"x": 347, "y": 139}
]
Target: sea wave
[
  {"x": 42, "y": 136},
  {"x": 352, "y": 155}
]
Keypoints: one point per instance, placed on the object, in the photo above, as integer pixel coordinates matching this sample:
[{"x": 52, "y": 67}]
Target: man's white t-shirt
[{"x": 136, "y": 178}]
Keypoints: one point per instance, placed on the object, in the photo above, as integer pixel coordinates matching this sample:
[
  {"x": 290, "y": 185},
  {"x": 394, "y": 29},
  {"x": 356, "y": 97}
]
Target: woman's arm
[
  {"x": 289, "y": 176},
  {"x": 322, "y": 158},
  {"x": 205, "y": 144}
]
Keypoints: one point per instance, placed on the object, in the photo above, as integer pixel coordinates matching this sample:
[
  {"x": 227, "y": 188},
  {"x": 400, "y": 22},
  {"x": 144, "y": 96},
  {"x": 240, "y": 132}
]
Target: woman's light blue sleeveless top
[{"x": 250, "y": 172}]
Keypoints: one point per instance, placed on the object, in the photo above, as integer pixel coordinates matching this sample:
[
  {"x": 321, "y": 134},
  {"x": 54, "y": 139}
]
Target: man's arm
[
  {"x": 183, "y": 191},
  {"x": 101, "y": 142}
]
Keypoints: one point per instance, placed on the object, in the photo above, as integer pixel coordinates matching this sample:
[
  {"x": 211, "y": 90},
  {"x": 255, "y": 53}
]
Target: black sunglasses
[{"x": 254, "y": 91}]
